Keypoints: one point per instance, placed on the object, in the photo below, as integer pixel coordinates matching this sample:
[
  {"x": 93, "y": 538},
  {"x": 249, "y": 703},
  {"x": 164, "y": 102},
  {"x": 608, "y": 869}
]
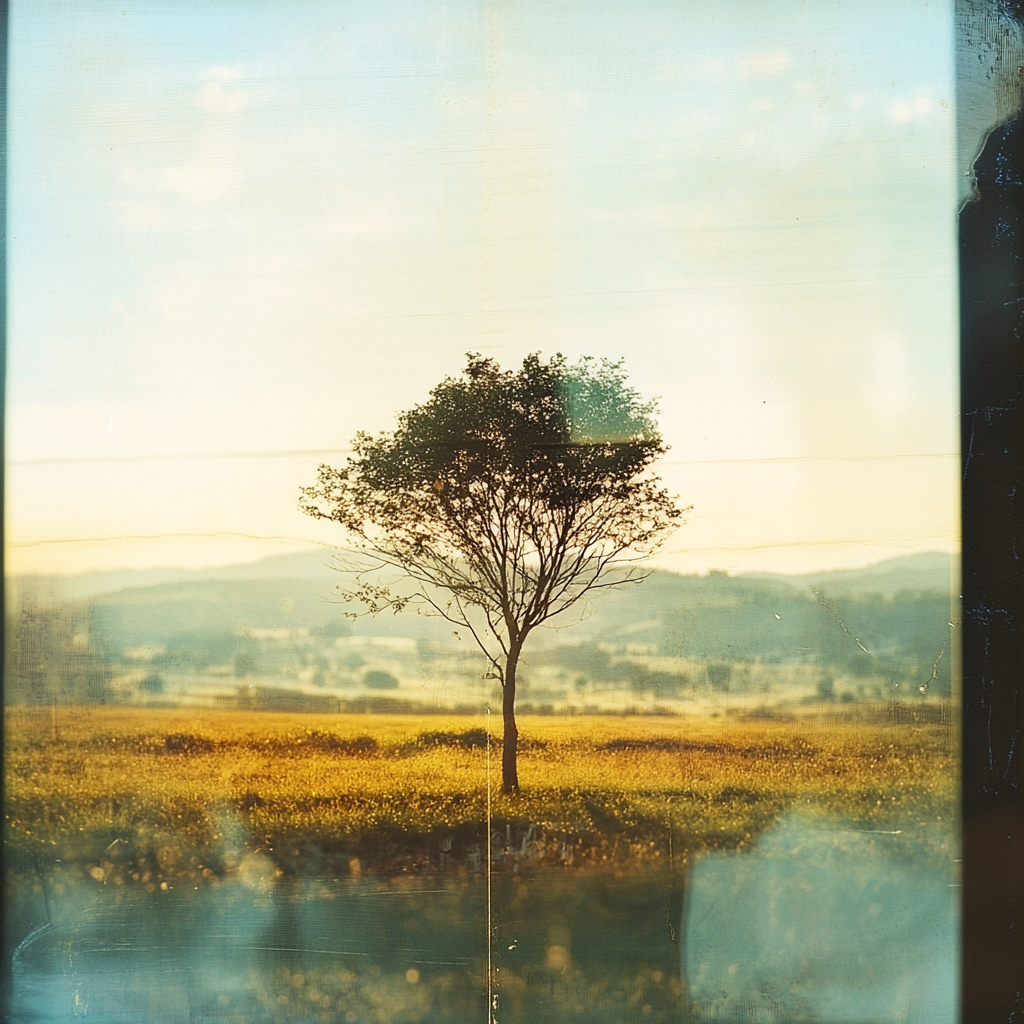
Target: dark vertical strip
[{"x": 992, "y": 436}]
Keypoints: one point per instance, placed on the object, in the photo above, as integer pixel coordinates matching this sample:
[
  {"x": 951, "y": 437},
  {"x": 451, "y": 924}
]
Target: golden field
[{"x": 149, "y": 794}]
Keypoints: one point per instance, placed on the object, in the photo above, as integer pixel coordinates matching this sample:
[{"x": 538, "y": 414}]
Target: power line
[
  {"x": 180, "y": 456},
  {"x": 171, "y": 536},
  {"x": 774, "y": 545},
  {"x": 909, "y": 457},
  {"x": 860, "y": 541},
  {"x": 305, "y": 452}
]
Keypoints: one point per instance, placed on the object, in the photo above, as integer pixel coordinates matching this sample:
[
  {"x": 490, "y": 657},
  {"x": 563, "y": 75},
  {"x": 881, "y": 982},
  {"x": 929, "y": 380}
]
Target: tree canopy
[{"x": 503, "y": 501}]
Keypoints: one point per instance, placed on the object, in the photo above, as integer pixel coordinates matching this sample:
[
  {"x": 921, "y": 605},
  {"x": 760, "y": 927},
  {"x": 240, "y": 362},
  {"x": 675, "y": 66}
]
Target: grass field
[{"x": 145, "y": 795}]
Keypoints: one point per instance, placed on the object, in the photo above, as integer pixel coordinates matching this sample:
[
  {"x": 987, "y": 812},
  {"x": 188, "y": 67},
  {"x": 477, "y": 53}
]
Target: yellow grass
[{"x": 182, "y": 790}]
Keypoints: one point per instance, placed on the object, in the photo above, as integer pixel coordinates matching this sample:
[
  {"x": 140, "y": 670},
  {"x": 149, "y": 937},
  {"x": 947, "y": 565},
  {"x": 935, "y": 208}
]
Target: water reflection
[
  {"x": 259, "y": 948},
  {"x": 818, "y": 922},
  {"x": 827, "y": 923},
  {"x": 301, "y": 950},
  {"x": 588, "y": 947}
]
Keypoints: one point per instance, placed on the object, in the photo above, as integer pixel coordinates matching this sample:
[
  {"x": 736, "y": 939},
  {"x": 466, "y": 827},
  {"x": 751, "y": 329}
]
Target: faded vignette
[{"x": 231, "y": 795}]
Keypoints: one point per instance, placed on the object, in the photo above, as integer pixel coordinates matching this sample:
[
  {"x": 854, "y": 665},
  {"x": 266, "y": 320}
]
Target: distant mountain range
[
  {"x": 301, "y": 565},
  {"x": 926, "y": 571},
  {"x": 898, "y": 610}
]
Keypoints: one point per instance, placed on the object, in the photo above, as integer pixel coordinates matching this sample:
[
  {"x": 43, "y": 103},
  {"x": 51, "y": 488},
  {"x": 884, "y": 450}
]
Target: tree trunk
[{"x": 510, "y": 739}]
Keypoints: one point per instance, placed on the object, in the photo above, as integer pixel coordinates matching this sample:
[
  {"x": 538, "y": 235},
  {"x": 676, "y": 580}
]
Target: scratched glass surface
[{"x": 243, "y": 234}]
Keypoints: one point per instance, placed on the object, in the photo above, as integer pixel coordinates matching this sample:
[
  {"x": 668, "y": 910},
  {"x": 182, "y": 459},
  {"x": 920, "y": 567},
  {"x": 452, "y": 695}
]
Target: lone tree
[{"x": 503, "y": 501}]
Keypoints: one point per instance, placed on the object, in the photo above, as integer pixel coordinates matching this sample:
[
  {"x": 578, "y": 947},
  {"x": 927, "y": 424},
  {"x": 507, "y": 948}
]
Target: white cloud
[
  {"x": 764, "y": 65},
  {"x": 200, "y": 182},
  {"x": 901, "y": 111},
  {"x": 215, "y": 99},
  {"x": 222, "y": 73},
  {"x": 727, "y": 68},
  {"x": 217, "y": 96},
  {"x": 145, "y": 202}
]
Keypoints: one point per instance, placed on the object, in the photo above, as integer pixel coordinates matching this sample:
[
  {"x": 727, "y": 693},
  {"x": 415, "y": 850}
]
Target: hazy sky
[{"x": 240, "y": 232}]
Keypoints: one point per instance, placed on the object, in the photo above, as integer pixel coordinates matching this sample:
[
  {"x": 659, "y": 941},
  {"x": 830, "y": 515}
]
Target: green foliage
[
  {"x": 468, "y": 739},
  {"x": 502, "y": 501},
  {"x": 719, "y": 674},
  {"x": 859, "y": 664},
  {"x": 716, "y": 618},
  {"x": 331, "y": 630},
  {"x": 246, "y": 663},
  {"x": 587, "y": 658},
  {"x": 378, "y": 680},
  {"x": 606, "y": 672},
  {"x": 201, "y": 648},
  {"x": 515, "y": 493},
  {"x": 153, "y": 683},
  {"x": 653, "y": 681}
]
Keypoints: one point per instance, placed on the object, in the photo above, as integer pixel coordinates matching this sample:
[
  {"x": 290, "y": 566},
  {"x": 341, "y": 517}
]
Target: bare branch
[{"x": 514, "y": 494}]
